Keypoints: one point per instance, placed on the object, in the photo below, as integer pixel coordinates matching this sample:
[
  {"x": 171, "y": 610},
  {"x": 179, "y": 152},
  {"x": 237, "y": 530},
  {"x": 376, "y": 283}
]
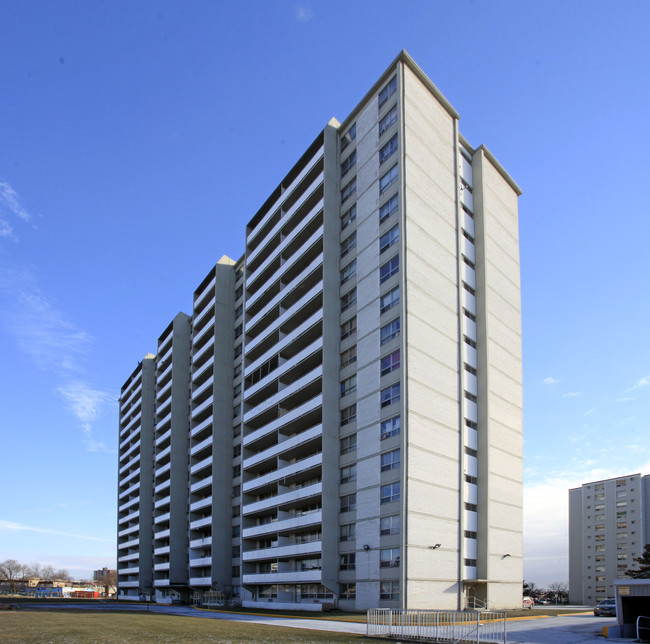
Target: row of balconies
[{"x": 261, "y": 231}]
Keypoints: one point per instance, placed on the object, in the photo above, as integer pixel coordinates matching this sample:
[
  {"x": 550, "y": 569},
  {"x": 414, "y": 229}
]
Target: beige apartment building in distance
[
  {"x": 339, "y": 420},
  {"x": 609, "y": 525}
]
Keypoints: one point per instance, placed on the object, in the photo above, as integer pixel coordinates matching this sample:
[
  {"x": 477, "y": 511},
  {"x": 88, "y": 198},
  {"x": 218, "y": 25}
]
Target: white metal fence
[{"x": 438, "y": 625}]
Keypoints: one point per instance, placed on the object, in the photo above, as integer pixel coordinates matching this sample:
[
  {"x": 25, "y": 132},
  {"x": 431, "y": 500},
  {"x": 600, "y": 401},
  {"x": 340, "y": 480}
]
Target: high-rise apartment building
[
  {"x": 609, "y": 525},
  {"x": 353, "y": 410}
]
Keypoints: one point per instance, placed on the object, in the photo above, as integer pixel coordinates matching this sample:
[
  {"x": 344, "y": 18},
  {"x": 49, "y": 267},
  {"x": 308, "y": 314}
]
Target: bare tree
[
  {"x": 108, "y": 580},
  {"x": 13, "y": 572},
  {"x": 560, "y": 590}
]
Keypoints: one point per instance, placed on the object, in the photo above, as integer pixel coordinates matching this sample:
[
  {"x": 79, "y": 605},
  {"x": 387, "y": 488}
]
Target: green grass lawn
[{"x": 70, "y": 627}]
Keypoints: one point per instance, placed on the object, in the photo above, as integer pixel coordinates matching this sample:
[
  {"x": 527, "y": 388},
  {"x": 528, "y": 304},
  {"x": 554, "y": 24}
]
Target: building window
[
  {"x": 236, "y": 471},
  {"x": 386, "y": 151},
  {"x": 239, "y": 292},
  {"x": 388, "y": 120},
  {"x": 349, "y": 328},
  {"x": 390, "y": 395},
  {"x": 349, "y": 414},
  {"x": 349, "y": 299},
  {"x": 470, "y": 534},
  {"x": 348, "y": 561},
  {"x": 389, "y": 590},
  {"x": 349, "y": 163},
  {"x": 348, "y": 216},
  {"x": 349, "y": 190},
  {"x": 471, "y": 452},
  {"x": 471, "y": 479},
  {"x": 235, "y": 411},
  {"x": 349, "y": 271},
  {"x": 348, "y": 244},
  {"x": 471, "y": 507},
  {"x": 388, "y": 208},
  {"x": 388, "y": 91},
  {"x": 390, "y": 427},
  {"x": 239, "y": 330},
  {"x": 236, "y": 511},
  {"x": 349, "y": 136},
  {"x": 389, "y": 331},
  {"x": 238, "y": 350},
  {"x": 235, "y": 531},
  {"x": 347, "y": 532},
  {"x": 386, "y": 181},
  {"x": 239, "y": 310},
  {"x": 390, "y": 460},
  {"x": 389, "y": 558},
  {"x": 387, "y": 270},
  {"x": 348, "y": 591},
  {"x": 390, "y": 492},
  {"x": 470, "y": 562},
  {"x": 237, "y": 371},
  {"x": 349, "y": 473},
  {"x": 349, "y": 444},
  {"x": 348, "y": 385},
  {"x": 390, "y": 362},
  {"x": 349, "y": 502},
  {"x": 236, "y": 450},
  {"x": 236, "y": 571},
  {"x": 389, "y": 525},
  {"x": 349, "y": 356},
  {"x": 389, "y": 300},
  {"x": 389, "y": 238}
]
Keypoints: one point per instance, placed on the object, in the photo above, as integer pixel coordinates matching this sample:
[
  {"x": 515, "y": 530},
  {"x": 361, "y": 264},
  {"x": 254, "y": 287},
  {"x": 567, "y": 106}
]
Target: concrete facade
[
  {"x": 609, "y": 525},
  {"x": 355, "y": 411}
]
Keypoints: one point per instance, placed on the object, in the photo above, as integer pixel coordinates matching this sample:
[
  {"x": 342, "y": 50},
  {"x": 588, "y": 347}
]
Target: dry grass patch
[{"x": 68, "y": 627}]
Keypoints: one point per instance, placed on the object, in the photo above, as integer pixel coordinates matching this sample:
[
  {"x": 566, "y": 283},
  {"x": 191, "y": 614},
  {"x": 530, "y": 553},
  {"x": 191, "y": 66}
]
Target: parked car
[
  {"x": 606, "y": 608},
  {"x": 527, "y": 602}
]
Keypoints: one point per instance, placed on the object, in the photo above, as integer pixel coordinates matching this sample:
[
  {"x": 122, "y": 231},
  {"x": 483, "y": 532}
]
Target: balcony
[
  {"x": 288, "y": 191},
  {"x": 130, "y": 437},
  {"x": 285, "y": 499},
  {"x": 162, "y": 486},
  {"x": 163, "y": 422},
  {"x": 203, "y": 503},
  {"x": 162, "y": 534},
  {"x": 201, "y": 408},
  {"x": 130, "y": 571},
  {"x": 203, "y": 368},
  {"x": 131, "y": 423},
  {"x": 163, "y": 437},
  {"x": 285, "y": 525},
  {"x": 164, "y": 550},
  {"x": 162, "y": 502},
  {"x": 161, "y": 566},
  {"x": 128, "y": 504},
  {"x": 301, "y": 466},
  {"x": 199, "y": 447},
  {"x": 201, "y": 581},
  {"x": 201, "y": 563},
  {"x": 163, "y": 470},
  {"x": 285, "y": 392},
  {"x": 135, "y": 555},
  {"x": 199, "y": 390},
  {"x": 203, "y": 483},
  {"x": 128, "y": 584},
  {"x": 128, "y": 477},
  {"x": 286, "y": 289},
  {"x": 200, "y": 523},
  {"x": 131, "y": 450},
  {"x": 131, "y": 396},
  {"x": 291, "y": 416},
  {"x": 200, "y": 543},
  {"x": 291, "y": 577},
  {"x": 160, "y": 394},
  {"x": 284, "y": 368},
  {"x": 127, "y": 531},
  {"x": 163, "y": 518},
  {"x": 201, "y": 465},
  {"x": 130, "y": 490},
  {"x": 128, "y": 544},
  {"x": 197, "y": 429},
  {"x": 284, "y": 552},
  {"x": 200, "y": 315},
  {"x": 284, "y": 446}
]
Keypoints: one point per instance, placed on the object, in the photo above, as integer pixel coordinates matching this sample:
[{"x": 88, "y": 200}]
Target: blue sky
[{"x": 137, "y": 139}]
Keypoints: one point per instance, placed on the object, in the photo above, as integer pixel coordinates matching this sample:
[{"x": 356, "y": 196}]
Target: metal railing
[
  {"x": 643, "y": 628},
  {"x": 449, "y": 626}
]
